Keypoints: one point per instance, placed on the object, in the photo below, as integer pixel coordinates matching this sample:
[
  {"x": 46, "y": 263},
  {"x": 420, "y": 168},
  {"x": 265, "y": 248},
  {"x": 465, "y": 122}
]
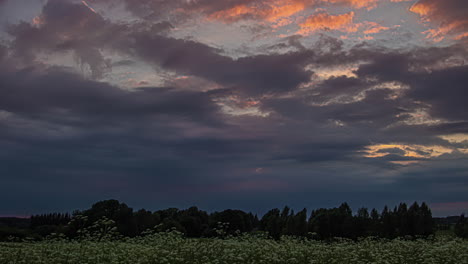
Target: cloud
[
  {"x": 56, "y": 92},
  {"x": 439, "y": 87},
  {"x": 73, "y": 27},
  {"x": 325, "y": 21},
  {"x": 252, "y": 75},
  {"x": 444, "y": 90},
  {"x": 449, "y": 17},
  {"x": 374, "y": 28},
  {"x": 338, "y": 88},
  {"x": 226, "y": 11},
  {"x": 368, "y": 4},
  {"x": 63, "y": 132},
  {"x": 276, "y": 12},
  {"x": 273, "y": 11},
  {"x": 64, "y": 26}
]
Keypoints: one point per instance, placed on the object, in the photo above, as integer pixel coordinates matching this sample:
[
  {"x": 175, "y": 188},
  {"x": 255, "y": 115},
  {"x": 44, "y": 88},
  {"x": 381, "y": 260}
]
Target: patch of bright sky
[
  {"x": 422, "y": 117},
  {"x": 66, "y": 59},
  {"x": 127, "y": 73},
  {"x": 343, "y": 70},
  {"x": 411, "y": 151},
  {"x": 230, "y": 37},
  {"x": 456, "y": 138},
  {"x": 233, "y": 105},
  {"x": 392, "y": 14},
  {"x": 113, "y": 12},
  {"x": 12, "y": 12},
  {"x": 191, "y": 83}
]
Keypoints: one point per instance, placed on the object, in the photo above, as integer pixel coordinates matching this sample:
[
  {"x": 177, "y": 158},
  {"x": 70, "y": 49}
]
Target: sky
[{"x": 246, "y": 104}]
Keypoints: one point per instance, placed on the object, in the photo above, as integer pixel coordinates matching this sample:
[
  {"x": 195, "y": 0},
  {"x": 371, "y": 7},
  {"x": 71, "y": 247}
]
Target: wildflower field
[{"x": 173, "y": 248}]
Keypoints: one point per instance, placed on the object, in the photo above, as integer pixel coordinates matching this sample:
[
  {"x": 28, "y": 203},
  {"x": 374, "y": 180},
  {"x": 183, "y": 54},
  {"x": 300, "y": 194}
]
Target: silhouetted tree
[
  {"x": 145, "y": 220},
  {"x": 401, "y": 220},
  {"x": 387, "y": 223},
  {"x": 375, "y": 224},
  {"x": 413, "y": 220},
  {"x": 237, "y": 220},
  {"x": 270, "y": 222},
  {"x": 194, "y": 221},
  {"x": 120, "y": 213},
  {"x": 362, "y": 223},
  {"x": 425, "y": 220},
  {"x": 461, "y": 227},
  {"x": 325, "y": 223},
  {"x": 300, "y": 223}
]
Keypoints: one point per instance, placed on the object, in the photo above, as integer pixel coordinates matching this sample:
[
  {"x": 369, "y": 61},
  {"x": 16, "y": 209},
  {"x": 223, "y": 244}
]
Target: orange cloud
[
  {"x": 422, "y": 9},
  {"x": 439, "y": 34},
  {"x": 445, "y": 15},
  {"x": 38, "y": 21},
  {"x": 283, "y": 9},
  {"x": 374, "y": 28},
  {"x": 369, "y": 4},
  {"x": 410, "y": 151},
  {"x": 325, "y": 21},
  {"x": 273, "y": 11},
  {"x": 461, "y": 36},
  {"x": 232, "y": 14},
  {"x": 280, "y": 12}
]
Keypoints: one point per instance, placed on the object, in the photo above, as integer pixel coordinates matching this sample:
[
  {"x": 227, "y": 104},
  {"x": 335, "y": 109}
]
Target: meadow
[{"x": 173, "y": 247}]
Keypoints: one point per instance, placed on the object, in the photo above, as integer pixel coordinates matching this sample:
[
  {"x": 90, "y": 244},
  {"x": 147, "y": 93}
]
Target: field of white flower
[{"x": 172, "y": 248}]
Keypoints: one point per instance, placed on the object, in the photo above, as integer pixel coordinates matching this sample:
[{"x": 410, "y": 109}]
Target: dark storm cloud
[
  {"x": 386, "y": 67},
  {"x": 322, "y": 151},
  {"x": 34, "y": 92},
  {"x": 3, "y": 52},
  {"x": 62, "y": 134},
  {"x": 445, "y": 90},
  {"x": 375, "y": 110},
  {"x": 451, "y": 128},
  {"x": 334, "y": 87},
  {"x": 254, "y": 75}
]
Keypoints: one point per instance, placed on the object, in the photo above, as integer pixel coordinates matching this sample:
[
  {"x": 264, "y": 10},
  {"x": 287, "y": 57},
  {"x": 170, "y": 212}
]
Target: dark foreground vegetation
[
  {"x": 174, "y": 248},
  {"x": 112, "y": 217}
]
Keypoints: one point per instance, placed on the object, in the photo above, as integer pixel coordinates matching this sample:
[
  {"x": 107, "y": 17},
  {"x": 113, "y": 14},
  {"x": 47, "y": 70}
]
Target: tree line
[{"x": 401, "y": 221}]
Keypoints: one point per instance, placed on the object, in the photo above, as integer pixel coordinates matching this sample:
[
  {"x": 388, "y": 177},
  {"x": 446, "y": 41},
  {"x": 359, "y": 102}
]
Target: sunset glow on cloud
[
  {"x": 446, "y": 17},
  {"x": 264, "y": 102},
  {"x": 412, "y": 151},
  {"x": 368, "y": 4},
  {"x": 272, "y": 11},
  {"x": 374, "y": 28},
  {"x": 324, "y": 21}
]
